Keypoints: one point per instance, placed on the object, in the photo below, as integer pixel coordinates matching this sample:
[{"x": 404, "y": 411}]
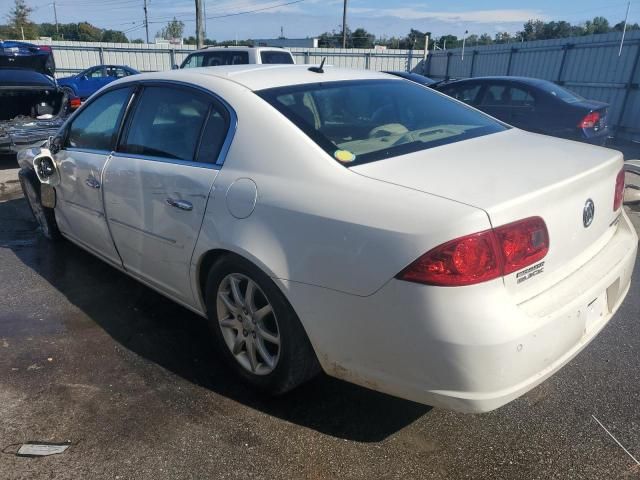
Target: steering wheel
[{"x": 388, "y": 129}]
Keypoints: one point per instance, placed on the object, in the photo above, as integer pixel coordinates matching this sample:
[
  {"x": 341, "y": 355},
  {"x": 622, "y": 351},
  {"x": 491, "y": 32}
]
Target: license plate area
[{"x": 596, "y": 311}]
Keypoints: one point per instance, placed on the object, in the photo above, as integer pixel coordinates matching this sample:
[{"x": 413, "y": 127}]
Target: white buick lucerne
[{"x": 347, "y": 221}]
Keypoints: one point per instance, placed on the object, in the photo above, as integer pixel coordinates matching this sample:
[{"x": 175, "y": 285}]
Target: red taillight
[
  {"x": 44, "y": 48},
  {"x": 523, "y": 243},
  {"x": 590, "y": 120},
  {"x": 481, "y": 256},
  {"x": 75, "y": 102},
  {"x": 618, "y": 196}
]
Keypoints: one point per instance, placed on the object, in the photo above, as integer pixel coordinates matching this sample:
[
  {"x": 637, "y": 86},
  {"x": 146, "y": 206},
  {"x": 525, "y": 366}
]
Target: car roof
[
  {"x": 242, "y": 48},
  {"x": 260, "y": 77},
  {"x": 502, "y": 78}
]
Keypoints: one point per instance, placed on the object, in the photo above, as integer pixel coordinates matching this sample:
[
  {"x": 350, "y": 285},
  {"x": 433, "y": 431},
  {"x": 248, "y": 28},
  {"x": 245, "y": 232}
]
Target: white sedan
[{"x": 347, "y": 221}]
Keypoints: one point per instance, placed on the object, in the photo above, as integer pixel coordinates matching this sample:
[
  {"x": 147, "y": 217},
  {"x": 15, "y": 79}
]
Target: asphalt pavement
[{"x": 91, "y": 357}]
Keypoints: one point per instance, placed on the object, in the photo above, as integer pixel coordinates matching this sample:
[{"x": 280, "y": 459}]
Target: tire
[
  {"x": 44, "y": 216},
  {"x": 295, "y": 361}
]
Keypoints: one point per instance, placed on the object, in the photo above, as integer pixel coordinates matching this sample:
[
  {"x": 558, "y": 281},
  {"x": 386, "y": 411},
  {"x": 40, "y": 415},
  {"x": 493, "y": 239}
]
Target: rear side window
[
  {"x": 496, "y": 96},
  {"x": 213, "y": 136},
  {"x": 167, "y": 123},
  {"x": 363, "y": 121},
  {"x": 467, "y": 94},
  {"x": 521, "y": 97},
  {"x": 270, "y": 56},
  {"x": 216, "y": 58},
  {"x": 96, "y": 126}
]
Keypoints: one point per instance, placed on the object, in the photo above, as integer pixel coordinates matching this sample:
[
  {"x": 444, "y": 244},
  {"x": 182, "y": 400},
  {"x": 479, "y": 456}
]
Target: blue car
[{"x": 89, "y": 81}]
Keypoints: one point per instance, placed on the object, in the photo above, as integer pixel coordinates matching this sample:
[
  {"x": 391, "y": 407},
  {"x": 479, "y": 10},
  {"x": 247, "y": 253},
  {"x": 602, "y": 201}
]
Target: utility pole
[
  {"x": 55, "y": 16},
  {"x": 199, "y": 24},
  {"x": 146, "y": 20},
  {"x": 464, "y": 40},
  {"x": 624, "y": 29},
  {"x": 344, "y": 25}
]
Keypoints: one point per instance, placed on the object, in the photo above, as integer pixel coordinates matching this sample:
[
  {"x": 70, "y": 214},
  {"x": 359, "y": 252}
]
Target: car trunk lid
[{"x": 514, "y": 175}]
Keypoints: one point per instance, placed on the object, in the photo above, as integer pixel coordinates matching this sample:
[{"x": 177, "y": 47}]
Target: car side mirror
[
  {"x": 55, "y": 143},
  {"x": 175, "y": 67},
  {"x": 45, "y": 167}
]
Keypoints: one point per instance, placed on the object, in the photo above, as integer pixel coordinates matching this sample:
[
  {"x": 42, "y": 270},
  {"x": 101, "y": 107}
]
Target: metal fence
[
  {"x": 589, "y": 65},
  {"x": 72, "y": 57}
]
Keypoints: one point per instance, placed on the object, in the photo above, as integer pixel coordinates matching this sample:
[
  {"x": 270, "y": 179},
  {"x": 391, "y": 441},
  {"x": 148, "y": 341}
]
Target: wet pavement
[{"x": 90, "y": 356}]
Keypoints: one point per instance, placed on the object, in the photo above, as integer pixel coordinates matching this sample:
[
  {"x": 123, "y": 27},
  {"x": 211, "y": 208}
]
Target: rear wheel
[
  {"x": 256, "y": 331},
  {"x": 44, "y": 216}
]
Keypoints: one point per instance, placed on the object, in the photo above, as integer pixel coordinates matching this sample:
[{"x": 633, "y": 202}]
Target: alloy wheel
[{"x": 248, "y": 324}]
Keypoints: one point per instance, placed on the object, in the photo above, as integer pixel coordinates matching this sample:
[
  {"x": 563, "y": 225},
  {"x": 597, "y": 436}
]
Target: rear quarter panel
[{"x": 315, "y": 221}]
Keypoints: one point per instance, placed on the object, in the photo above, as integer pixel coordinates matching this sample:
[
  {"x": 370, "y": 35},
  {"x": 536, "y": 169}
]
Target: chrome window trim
[
  {"x": 175, "y": 161},
  {"x": 87, "y": 150}
]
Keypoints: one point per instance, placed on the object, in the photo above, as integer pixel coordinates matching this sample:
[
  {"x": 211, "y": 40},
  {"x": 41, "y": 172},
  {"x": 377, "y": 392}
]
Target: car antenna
[{"x": 318, "y": 69}]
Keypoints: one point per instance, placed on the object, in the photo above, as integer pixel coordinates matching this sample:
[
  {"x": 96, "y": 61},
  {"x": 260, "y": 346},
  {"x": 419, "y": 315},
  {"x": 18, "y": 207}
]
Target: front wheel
[{"x": 256, "y": 330}]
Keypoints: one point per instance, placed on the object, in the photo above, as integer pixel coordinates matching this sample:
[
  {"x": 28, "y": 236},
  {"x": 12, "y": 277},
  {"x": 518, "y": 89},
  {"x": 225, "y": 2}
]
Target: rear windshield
[
  {"x": 270, "y": 56},
  {"x": 363, "y": 121},
  {"x": 560, "y": 92},
  {"x": 215, "y": 58}
]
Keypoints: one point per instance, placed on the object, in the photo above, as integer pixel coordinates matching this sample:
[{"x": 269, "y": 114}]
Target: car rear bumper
[
  {"x": 469, "y": 349},
  {"x": 18, "y": 135}
]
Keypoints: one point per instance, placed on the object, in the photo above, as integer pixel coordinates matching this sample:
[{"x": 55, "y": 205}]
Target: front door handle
[
  {"x": 92, "y": 182},
  {"x": 181, "y": 204}
]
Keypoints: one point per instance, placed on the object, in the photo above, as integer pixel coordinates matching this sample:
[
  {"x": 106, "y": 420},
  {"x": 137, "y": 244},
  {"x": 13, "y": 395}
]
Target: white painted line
[{"x": 615, "y": 439}]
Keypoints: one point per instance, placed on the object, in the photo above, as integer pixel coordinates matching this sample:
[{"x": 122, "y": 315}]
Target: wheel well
[{"x": 207, "y": 261}]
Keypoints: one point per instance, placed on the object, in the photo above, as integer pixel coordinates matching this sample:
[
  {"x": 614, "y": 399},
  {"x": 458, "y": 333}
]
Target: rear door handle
[
  {"x": 181, "y": 204},
  {"x": 92, "y": 182}
]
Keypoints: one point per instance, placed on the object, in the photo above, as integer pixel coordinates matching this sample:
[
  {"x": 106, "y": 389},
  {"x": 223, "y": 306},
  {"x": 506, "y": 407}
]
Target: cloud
[{"x": 470, "y": 16}]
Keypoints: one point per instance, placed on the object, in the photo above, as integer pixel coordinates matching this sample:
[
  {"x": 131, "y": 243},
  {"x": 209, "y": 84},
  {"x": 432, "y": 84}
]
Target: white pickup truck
[{"x": 217, "y": 56}]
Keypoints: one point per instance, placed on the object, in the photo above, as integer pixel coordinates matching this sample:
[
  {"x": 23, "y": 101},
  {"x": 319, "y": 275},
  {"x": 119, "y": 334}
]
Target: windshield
[
  {"x": 363, "y": 121},
  {"x": 560, "y": 92}
]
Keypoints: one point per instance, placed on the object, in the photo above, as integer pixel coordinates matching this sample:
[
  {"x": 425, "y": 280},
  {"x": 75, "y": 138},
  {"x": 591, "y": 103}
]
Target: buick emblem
[{"x": 588, "y": 213}]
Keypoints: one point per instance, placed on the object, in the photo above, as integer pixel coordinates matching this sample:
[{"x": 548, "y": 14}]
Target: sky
[{"x": 226, "y": 19}]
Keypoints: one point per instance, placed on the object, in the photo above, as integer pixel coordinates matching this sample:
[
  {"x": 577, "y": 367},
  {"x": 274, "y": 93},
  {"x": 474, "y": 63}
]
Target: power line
[{"x": 255, "y": 10}]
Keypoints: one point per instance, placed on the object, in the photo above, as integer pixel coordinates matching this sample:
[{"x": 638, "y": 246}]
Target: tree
[
  {"x": 137, "y": 40},
  {"x": 19, "y": 21},
  {"x": 330, "y": 40},
  {"x": 114, "y": 36},
  {"x": 451, "y": 41},
  {"x": 173, "y": 30},
  {"x": 597, "y": 25},
  {"x": 360, "y": 38},
  {"x": 503, "y": 37},
  {"x": 88, "y": 33},
  {"x": 485, "y": 39},
  {"x": 532, "y": 30}
]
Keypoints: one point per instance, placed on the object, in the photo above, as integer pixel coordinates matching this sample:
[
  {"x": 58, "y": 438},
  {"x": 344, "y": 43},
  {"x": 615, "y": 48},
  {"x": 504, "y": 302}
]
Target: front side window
[
  {"x": 363, "y": 121},
  {"x": 166, "y": 123},
  {"x": 117, "y": 72},
  {"x": 95, "y": 73},
  {"x": 96, "y": 126},
  {"x": 270, "y": 56}
]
